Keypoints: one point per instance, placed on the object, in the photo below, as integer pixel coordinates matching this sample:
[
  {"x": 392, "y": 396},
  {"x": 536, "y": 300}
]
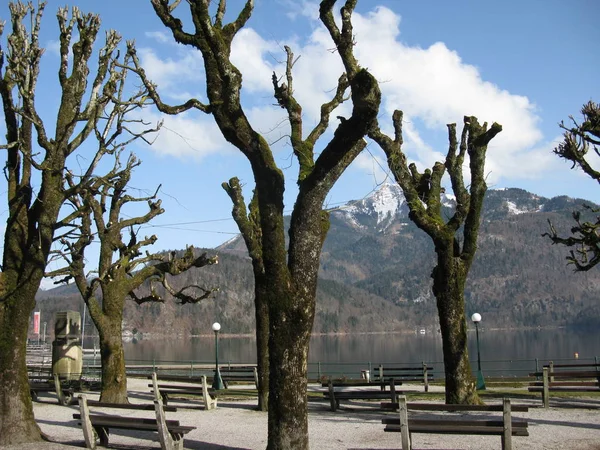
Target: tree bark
[
  {"x": 449, "y": 278},
  {"x": 17, "y": 424},
  {"x": 261, "y": 307},
  {"x": 114, "y": 377},
  {"x": 288, "y": 350}
]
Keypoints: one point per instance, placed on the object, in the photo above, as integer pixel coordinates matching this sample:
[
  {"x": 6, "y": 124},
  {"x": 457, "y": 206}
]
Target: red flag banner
[{"x": 36, "y": 322}]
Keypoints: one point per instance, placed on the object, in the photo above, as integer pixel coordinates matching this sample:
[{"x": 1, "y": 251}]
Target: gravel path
[{"x": 567, "y": 424}]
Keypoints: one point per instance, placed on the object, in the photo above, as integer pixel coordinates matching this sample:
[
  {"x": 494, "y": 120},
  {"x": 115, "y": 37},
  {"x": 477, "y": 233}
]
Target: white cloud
[
  {"x": 254, "y": 57},
  {"x": 173, "y": 72},
  {"x": 188, "y": 135},
  {"x": 532, "y": 164},
  {"x": 161, "y": 37},
  {"x": 433, "y": 86}
]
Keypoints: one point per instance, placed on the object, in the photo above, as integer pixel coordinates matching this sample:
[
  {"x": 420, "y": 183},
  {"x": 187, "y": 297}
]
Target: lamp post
[
  {"x": 217, "y": 380},
  {"x": 476, "y": 318}
]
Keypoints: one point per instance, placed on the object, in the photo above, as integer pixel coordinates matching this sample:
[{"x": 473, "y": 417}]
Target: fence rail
[
  {"x": 503, "y": 369},
  {"x": 506, "y": 369}
]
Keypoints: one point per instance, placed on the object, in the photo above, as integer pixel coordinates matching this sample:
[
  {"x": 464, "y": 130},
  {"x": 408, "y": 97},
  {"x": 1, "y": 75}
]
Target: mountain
[{"x": 375, "y": 273}]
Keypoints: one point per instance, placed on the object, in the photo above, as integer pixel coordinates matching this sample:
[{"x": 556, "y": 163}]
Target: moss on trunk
[
  {"x": 449, "y": 277},
  {"x": 17, "y": 424},
  {"x": 288, "y": 350},
  {"x": 114, "y": 376},
  {"x": 262, "y": 341}
]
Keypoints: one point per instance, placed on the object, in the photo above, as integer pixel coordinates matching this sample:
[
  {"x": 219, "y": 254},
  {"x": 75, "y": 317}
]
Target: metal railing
[{"x": 504, "y": 369}]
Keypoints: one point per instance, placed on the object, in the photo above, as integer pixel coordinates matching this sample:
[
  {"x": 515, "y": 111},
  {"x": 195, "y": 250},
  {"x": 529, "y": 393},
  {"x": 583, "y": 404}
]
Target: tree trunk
[
  {"x": 114, "y": 376},
  {"x": 449, "y": 277},
  {"x": 261, "y": 307},
  {"x": 288, "y": 348},
  {"x": 17, "y": 424}
]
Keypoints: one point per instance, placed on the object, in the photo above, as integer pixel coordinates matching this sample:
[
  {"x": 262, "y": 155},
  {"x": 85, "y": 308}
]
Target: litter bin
[
  {"x": 366, "y": 375},
  {"x": 67, "y": 356}
]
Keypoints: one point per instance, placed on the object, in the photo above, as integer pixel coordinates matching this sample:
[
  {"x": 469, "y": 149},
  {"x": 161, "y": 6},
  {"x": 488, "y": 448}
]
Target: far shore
[{"x": 150, "y": 336}]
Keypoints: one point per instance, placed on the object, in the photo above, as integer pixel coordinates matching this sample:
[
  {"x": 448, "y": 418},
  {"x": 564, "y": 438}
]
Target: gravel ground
[{"x": 567, "y": 424}]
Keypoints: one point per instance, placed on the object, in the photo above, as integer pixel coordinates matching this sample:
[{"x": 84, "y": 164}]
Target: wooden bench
[
  {"x": 98, "y": 426},
  {"x": 505, "y": 427},
  {"x": 39, "y": 384},
  {"x": 382, "y": 385},
  {"x": 165, "y": 392},
  {"x": 579, "y": 379},
  {"x": 335, "y": 395},
  {"x": 239, "y": 374},
  {"x": 422, "y": 374}
]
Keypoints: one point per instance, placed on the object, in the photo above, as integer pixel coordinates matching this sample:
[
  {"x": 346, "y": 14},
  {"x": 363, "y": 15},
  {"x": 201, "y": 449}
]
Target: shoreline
[{"x": 150, "y": 336}]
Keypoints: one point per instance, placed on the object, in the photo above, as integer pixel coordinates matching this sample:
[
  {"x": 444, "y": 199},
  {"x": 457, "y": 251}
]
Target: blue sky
[{"x": 527, "y": 65}]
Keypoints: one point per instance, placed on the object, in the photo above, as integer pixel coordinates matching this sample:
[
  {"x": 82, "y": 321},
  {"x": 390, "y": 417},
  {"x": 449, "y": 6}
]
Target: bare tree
[
  {"x": 291, "y": 272},
  {"x": 454, "y": 253},
  {"x": 250, "y": 228},
  {"x": 122, "y": 268},
  {"x": 36, "y": 172},
  {"x": 575, "y": 148}
]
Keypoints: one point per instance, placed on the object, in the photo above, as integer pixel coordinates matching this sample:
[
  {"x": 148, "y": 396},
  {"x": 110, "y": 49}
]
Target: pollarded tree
[
  {"x": 250, "y": 229},
  {"x": 290, "y": 271},
  {"x": 454, "y": 253},
  {"x": 122, "y": 268},
  {"x": 575, "y": 148},
  {"x": 36, "y": 161}
]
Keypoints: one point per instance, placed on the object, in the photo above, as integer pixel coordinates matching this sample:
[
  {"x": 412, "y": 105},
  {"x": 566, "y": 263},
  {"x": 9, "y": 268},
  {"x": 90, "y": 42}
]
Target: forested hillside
[{"x": 375, "y": 275}]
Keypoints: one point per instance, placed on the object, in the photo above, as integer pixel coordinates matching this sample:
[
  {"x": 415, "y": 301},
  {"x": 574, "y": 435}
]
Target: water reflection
[{"x": 507, "y": 348}]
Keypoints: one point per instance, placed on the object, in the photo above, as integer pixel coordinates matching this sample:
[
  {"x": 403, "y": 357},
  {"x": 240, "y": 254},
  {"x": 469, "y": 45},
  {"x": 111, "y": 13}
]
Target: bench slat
[
  {"x": 110, "y": 419},
  {"x": 444, "y": 421},
  {"x": 444, "y": 407},
  {"x": 564, "y": 389},
  {"x": 136, "y": 406},
  {"x": 441, "y": 429},
  {"x": 176, "y": 429}
]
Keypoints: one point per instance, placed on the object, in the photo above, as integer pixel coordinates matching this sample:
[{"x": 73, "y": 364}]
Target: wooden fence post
[{"x": 546, "y": 393}]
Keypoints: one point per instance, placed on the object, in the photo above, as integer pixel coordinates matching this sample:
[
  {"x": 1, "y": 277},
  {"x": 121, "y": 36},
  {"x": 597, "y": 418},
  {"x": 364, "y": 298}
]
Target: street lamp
[
  {"x": 476, "y": 318},
  {"x": 217, "y": 380}
]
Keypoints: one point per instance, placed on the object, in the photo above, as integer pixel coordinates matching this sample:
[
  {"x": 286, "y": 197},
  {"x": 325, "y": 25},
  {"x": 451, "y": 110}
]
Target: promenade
[{"x": 568, "y": 424}]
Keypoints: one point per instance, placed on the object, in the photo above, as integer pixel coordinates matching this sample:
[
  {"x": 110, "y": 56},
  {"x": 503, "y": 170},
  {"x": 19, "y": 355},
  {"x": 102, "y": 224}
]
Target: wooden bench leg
[
  {"x": 164, "y": 436},
  {"x": 506, "y": 425},
  {"x": 89, "y": 432},
  {"x": 102, "y": 433},
  {"x": 545, "y": 390},
  {"x": 177, "y": 439},
  {"x": 59, "y": 392},
  {"x": 404, "y": 431},
  {"x": 209, "y": 402},
  {"x": 332, "y": 400}
]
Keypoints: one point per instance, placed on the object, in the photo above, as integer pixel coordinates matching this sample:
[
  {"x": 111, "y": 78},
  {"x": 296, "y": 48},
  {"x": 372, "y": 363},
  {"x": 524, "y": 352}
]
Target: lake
[{"x": 503, "y": 353}]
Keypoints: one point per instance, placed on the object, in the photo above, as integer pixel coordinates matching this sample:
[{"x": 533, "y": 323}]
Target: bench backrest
[{"x": 507, "y": 423}]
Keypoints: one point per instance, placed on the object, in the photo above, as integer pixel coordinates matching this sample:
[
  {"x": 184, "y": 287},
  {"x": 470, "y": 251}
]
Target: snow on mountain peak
[
  {"x": 386, "y": 201},
  {"x": 383, "y": 205}
]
